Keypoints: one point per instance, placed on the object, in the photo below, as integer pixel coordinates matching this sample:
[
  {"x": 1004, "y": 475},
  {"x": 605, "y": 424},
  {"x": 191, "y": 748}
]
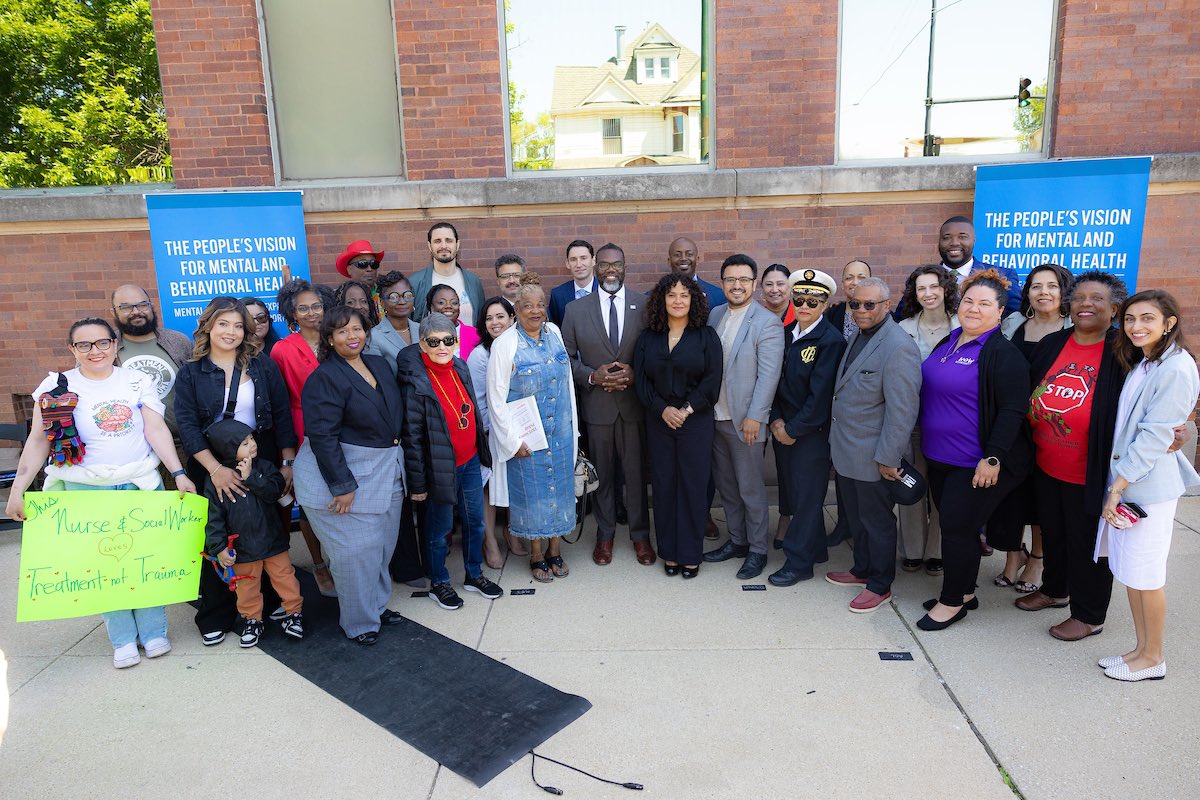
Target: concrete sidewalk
[{"x": 700, "y": 690}]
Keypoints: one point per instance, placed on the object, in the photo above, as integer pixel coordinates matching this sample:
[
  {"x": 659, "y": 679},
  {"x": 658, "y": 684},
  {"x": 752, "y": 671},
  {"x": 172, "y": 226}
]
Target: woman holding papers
[
  {"x": 534, "y": 470},
  {"x": 107, "y": 430}
]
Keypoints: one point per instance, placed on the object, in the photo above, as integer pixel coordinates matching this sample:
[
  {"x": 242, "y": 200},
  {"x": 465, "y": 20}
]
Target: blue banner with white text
[
  {"x": 1083, "y": 215},
  {"x": 224, "y": 243}
]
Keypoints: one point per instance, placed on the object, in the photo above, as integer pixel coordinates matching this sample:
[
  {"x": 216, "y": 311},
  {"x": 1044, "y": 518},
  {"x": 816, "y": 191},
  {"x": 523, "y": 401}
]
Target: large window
[
  {"x": 982, "y": 50},
  {"x": 333, "y": 77},
  {"x": 606, "y": 85}
]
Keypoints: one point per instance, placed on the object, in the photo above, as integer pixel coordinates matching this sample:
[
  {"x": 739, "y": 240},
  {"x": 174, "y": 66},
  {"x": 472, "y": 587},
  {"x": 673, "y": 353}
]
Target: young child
[{"x": 262, "y": 544}]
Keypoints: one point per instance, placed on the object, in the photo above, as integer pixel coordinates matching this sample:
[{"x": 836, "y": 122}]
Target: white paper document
[{"x": 529, "y": 422}]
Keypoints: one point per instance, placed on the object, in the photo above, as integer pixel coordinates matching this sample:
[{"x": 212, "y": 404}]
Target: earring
[{"x": 1029, "y": 313}]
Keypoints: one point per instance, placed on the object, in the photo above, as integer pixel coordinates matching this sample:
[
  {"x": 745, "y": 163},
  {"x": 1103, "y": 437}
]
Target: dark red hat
[{"x": 359, "y": 248}]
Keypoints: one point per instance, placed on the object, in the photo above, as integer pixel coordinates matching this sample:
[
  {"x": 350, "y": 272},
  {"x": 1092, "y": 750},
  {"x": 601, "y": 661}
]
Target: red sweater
[{"x": 452, "y": 395}]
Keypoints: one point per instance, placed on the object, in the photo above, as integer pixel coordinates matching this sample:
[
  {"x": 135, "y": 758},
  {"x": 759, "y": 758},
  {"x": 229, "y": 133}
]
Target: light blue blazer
[
  {"x": 387, "y": 343},
  {"x": 1145, "y": 431}
]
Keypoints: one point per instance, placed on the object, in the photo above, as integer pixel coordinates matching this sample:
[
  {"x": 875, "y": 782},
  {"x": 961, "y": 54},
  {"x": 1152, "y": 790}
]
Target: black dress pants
[
  {"x": 872, "y": 523},
  {"x": 679, "y": 472},
  {"x": 963, "y": 510},
  {"x": 1068, "y": 542},
  {"x": 803, "y": 471}
]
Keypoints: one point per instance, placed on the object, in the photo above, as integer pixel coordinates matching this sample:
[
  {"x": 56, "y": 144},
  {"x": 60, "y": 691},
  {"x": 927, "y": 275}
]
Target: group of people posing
[{"x": 1054, "y": 404}]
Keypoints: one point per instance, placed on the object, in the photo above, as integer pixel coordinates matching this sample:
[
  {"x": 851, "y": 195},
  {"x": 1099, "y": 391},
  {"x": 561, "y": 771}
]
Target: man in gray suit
[
  {"x": 600, "y": 331},
  {"x": 752, "y": 342},
  {"x": 875, "y": 401}
]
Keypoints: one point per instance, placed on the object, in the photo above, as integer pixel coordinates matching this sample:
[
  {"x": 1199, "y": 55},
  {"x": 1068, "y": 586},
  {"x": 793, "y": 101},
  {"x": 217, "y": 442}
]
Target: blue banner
[
  {"x": 224, "y": 243},
  {"x": 1083, "y": 215}
]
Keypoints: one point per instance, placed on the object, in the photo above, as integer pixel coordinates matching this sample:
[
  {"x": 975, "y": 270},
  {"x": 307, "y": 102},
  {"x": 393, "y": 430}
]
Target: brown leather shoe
[
  {"x": 645, "y": 553},
  {"x": 602, "y": 554},
  {"x": 1039, "y": 600},
  {"x": 1072, "y": 630}
]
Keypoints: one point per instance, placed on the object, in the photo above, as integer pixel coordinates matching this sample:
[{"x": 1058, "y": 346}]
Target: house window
[
  {"x": 317, "y": 86},
  {"x": 623, "y": 73},
  {"x": 885, "y": 64},
  {"x": 678, "y": 121},
  {"x": 612, "y": 137}
]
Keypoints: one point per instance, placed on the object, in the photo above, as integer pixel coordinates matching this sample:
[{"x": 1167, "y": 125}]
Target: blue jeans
[
  {"x": 468, "y": 489},
  {"x": 136, "y": 625}
]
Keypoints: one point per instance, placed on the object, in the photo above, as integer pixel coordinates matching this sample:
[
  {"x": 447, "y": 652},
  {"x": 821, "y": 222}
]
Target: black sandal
[
  {"x": 558, "y": 566},
  {"x": 1028, "y": 587},
  {"x": 541, "y": 566}
]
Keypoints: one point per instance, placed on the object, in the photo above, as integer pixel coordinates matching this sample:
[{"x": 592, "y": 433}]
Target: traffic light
[{"x": 1023, "y": 93}]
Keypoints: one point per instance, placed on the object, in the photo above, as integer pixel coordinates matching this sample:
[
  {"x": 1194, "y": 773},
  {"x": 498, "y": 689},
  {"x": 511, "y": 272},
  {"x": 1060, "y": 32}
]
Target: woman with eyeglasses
[
  {"x": 444, "y": 299},
  {"x": 264, "y": 330},
  {"x": 302, "y": 309},
  {"x": 538, "y": 486},
  {"x": 357, "y": 295},
  {"x": 397, "y": 330},
  {"x": 119, "y": 419},
  {"x": 229, "y": 376}
]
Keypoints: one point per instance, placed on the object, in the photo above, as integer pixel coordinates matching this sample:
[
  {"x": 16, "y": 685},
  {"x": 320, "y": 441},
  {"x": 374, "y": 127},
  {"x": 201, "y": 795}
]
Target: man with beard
[
  {"x": 600, "y": 332},
  {"x": 443, "y": 246},
  {"x": 956, "y": 244},
  {"x": 683, "y": 256},
  {"x": 143, "y": 346}
]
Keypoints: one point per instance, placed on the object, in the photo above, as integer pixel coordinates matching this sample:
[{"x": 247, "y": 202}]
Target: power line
[{"x": 901, "y": 53}]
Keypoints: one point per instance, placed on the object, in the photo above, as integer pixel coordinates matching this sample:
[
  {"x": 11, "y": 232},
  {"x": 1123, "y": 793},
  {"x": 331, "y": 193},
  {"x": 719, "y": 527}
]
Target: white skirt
[{"x": 1137, "y": 555}]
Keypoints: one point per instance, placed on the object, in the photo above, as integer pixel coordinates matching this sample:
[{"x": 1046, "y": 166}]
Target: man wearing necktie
[
  {"x": 600, "y": 332},
  {"x": 580, "y": 261}
]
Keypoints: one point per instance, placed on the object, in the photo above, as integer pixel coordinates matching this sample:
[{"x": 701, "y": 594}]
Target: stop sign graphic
[{"x": 1065, "y": 393}]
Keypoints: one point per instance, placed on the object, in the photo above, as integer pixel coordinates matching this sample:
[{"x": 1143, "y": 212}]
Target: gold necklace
[{"x": 464, "y": 408}]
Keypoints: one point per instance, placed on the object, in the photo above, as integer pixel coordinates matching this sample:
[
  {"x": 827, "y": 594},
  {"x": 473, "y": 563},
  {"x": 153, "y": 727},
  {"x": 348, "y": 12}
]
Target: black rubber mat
[{"x": 470, "y": 713}]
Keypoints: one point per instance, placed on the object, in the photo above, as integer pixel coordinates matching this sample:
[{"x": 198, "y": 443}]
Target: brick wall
[
  {"x": 1129, "y": 78},
  {"x": 776, "y": 82},
  {"x": 211, "y": 65},
  {"x": 76, "y": 271},
  {"x": 452, "y": 99}
]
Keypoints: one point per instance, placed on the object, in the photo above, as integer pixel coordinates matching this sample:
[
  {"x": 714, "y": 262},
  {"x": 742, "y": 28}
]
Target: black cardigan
[
  {"x": 1104, "y": 409},
  {"x": 428, "y": 452}
]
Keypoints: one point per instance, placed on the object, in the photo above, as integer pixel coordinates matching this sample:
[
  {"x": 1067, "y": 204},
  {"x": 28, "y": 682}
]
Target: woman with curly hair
[
  {"x": 229, "y": 376},
  {"x": 538, "y": 486},
  {"x": 357, "y": 295},
  {"x": 678, "y": 364}
]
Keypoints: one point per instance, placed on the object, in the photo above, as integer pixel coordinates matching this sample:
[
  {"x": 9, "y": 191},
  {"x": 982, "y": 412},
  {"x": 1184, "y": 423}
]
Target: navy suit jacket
[
  {"x": 561, "y": 295},
  {"x": 714, "y": 293}
]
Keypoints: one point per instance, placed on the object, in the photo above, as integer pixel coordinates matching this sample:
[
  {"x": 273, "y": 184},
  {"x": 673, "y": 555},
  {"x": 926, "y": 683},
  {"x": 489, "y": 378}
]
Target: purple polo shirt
[{"x": 950, "y": 402}]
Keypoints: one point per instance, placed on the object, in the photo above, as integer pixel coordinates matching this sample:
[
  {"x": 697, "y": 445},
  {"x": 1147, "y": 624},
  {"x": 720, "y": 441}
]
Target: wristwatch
[
  {"x": 687, "y": 409},
  {"x": 992, "y": 461},
  {"x": 178, "y": 472},
  {"x": 287, "y": 462}
]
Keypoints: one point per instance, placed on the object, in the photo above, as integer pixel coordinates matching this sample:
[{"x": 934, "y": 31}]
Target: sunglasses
[
  {"x": 397, "y": 297},
  {"x": 869, "y": 305},
  {"x": 365, "y": 264},
  {"x": 260, "y": 318},
  {"x": 807, "y": 300},
  {"x": 448, "y": 341},
  {"x": 86, "y": 347}
]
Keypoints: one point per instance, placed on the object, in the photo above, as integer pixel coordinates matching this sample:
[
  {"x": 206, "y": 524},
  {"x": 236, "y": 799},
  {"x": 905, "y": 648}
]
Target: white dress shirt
[{"x": 619, "y": 299}]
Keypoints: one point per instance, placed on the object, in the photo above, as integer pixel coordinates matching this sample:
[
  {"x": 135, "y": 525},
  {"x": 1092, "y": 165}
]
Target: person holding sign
[
  {"x": 677, "y": 366},
  {"x": 350, "y": 470},
  {"x": 529, "y": 361},
  {"x": 444, "y": 450},
  {"x": 119, "y": 438}
]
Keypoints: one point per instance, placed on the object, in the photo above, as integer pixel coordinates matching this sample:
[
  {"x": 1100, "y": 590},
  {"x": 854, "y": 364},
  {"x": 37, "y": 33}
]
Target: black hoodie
[{"x": 254, "y": 518}]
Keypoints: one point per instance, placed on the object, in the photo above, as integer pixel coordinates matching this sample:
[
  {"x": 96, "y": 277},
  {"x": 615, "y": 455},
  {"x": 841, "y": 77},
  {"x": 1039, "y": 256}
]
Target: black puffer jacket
[
  {"x": 428, "y": 452},
  {"x": 254, "y": 517}
]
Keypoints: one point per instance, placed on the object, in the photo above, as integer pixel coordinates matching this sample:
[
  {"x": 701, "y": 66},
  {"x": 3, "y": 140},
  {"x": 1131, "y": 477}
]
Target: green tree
[
  {"x": 80, "y": 94},
  {"x": 532, "y": 142},
  {"x": 1029, "y": 121}
]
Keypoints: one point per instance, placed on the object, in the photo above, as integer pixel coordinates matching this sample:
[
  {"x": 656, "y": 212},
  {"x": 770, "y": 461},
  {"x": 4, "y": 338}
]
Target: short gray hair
[
  {"x": 879, "y": 283},
  {"x": 435, "y": 323}
]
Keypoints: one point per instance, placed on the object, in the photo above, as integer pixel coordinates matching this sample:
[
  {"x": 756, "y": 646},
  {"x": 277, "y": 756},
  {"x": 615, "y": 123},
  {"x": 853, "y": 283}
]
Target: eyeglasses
[
  {"x": 807, "y": 300},
  {"x": 365, "y": 264},
  {"x": 508, "y": 276},
  {"x": 315, "y": 308},
  {"x": 126, "y": 308},
  {"x": 742, "y": 280},
  {"x": 448, "y": 341},
  {"x": 86, "y": 347},
  {"x": 610, "y": 264},
  {"x": 397, "y": 297},
  {"x": 869, "y": 305}
]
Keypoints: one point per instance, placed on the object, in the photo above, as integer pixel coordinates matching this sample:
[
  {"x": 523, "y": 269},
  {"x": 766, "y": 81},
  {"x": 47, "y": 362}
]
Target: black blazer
[
  {"x": 1104, "y": 409},
  {"x": 804, "y": 398},
  {"x": 691, "y": 373},
  {"x": 342, "y": 408},
  {"x": 1004, "y": 405},
  {"x": 835, "y": 315}
]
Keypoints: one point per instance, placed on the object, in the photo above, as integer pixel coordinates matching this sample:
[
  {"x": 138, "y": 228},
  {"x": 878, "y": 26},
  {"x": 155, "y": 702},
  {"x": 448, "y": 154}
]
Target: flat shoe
[
  {"x": 1110, "y": 661},
  {"x": 911, "y": 564},
  {"x": 970, "y": 605},
  {"x": 558, "y": 566},
  {"x": 368, "y": 638},
  {"x": 670, "y": 569},
  {"x": 927, "y": 624},
  {"x": 1026, "y": 587},
  {"x": 541, "y": 567},
  {"x": 1122, "y": 672}
]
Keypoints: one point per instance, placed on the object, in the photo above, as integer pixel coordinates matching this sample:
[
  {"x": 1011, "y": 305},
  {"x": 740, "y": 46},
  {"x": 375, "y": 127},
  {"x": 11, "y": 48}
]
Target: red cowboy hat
[{"x": 359, "y": 248}]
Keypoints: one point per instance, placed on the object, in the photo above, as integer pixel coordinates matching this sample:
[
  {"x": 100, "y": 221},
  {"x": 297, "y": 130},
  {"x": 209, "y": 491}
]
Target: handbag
[{"x": 587, "y": 480}]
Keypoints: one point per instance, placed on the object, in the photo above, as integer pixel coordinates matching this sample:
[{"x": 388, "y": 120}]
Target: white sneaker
[
  {"x": 212, "y": 637},
  {"x": 279, "y": 615},
  {"x": 157, "y": 647},
  {"x": 126, "y": 656}
]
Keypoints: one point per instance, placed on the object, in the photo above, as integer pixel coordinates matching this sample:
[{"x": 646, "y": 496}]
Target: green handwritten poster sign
[{"x": 85, "y": 553}]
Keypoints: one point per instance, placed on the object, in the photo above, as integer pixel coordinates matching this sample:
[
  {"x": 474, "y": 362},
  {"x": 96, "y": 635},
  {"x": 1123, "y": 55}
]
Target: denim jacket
[{"x": 200, "y": 401}]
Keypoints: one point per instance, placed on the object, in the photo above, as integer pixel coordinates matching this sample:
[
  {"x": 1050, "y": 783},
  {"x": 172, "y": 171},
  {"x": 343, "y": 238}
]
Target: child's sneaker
[
  {"x": 157, "y": 647},
  {"x": 212, "y": 638},
  {"x": 483, "y": 586},
  {"x": 445, "y": 596},
  {"x": 251, "y": 633},
  {"x": 293, "y": 625},
  {"x": 279, "y": 615},
  {"x": 126, "y": 656}
]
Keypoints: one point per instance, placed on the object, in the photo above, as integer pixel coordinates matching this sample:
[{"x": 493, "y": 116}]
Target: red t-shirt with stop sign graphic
[{"x": 1060, "y": 411}]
